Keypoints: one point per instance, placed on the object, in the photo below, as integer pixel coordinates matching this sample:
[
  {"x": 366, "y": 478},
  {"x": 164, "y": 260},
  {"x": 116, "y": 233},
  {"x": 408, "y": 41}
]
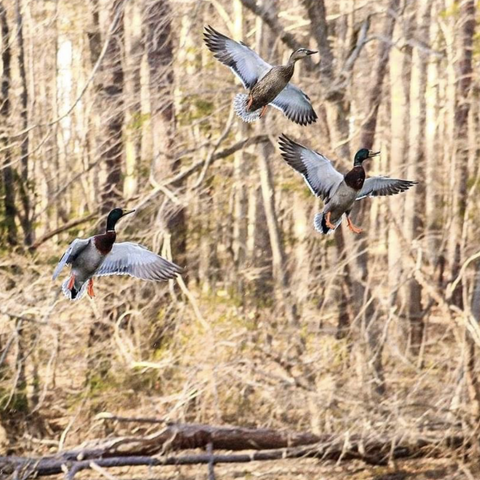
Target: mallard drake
[
  {"x": 267, "y": 85},
  {"x": 339, "y": 192},
  {"x": 100, "y": 255}
]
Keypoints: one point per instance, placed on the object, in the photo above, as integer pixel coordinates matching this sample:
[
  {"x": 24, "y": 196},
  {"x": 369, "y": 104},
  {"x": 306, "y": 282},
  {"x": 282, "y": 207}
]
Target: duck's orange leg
[
  {"x": 327, "y": 221},
  {"x": 90, "y": 291},
  {"x": 352, "y": 227},
  {"x": 264, "y": 109},
  {"x": 71, "y": 282},
  {"x": 250, "y": 101}
]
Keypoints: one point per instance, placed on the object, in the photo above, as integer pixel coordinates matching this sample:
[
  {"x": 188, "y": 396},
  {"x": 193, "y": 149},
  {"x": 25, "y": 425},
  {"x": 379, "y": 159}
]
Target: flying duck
[
  {"x": 100, "y": 255},
  {"x": 339, "y": 192},
  {"x": 267, "y": 85}
]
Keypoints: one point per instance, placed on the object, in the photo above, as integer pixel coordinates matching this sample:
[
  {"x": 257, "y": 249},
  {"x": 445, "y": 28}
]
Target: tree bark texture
[
  {"x": 112, "y": 110},
  {"x": 462, "y": 108},
  {"x": 25, "y": 182},
  {"x": 8, "y": 177}
]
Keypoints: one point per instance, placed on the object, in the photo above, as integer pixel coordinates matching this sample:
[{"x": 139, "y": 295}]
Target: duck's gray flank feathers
[
  {"x": 128, "y": 258},
  {"x": 267, "y": 85}
]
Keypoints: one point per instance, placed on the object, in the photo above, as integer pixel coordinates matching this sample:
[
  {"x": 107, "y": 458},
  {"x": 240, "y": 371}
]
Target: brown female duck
[{"x": 267, "y": 84}]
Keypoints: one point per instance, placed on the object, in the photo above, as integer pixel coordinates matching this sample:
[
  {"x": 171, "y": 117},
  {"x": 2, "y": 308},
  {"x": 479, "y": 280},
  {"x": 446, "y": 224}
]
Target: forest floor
[
  {"x": 302, "y": 469},
  {"x": 229, "y": 367}
]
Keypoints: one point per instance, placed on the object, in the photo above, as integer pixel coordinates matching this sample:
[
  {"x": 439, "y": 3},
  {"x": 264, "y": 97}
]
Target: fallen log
[
  {"x": 270, "y": 445},
  {"x": 192, "y": 436}
]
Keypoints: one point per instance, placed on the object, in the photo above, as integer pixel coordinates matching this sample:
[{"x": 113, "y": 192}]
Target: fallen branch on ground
[{"x": 270, "y": 445}]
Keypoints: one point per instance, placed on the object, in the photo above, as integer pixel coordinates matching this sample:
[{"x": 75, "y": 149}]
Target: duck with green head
[
  {"x": 100, "y": 255},
  {"x": 339, "y": 192},
  {"x": 267, "y": 84}
]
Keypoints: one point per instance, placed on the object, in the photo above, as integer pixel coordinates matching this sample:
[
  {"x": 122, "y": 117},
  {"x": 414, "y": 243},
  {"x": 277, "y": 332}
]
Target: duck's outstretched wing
[
  {"x": 383, "y": 186},
  {"x": 296, "y": 105},
  {"x": 246, "y": 64},
  {"x": 317, "y": 170},
  {"x": 73, "y": 250},
  {"x": 128, "y": 258}
]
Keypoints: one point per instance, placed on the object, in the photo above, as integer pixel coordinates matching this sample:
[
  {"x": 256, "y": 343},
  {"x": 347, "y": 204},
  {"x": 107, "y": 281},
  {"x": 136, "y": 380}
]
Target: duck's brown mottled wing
[
  {"x": 128, "y": 258},
  {"x": 383, "y": 186},
  {"x": 246, "y": 64},
  {"x": 317, "y": 170}
]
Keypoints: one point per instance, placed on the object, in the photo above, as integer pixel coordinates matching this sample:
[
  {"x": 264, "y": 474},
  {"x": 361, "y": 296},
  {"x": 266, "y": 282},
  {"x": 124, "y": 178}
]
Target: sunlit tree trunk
[
  {"x": 400, "y": 75},
  {"x": 240, "y": 180},
  {"x": 415, "y": 201},
  {"x": 433, "y": 177},
  {"x": 133, "y": 108}
]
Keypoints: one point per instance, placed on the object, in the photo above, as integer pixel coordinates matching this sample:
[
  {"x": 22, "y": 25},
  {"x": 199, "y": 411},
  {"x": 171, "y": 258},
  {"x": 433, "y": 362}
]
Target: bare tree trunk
[
  {"x": 25, "y": 185},
  {"x": 133, "y": 104},
  {"x": 280, "y": 274},
  {"x": 458, "y": 233},
  {"x": 157, "y": 20},
  {"x": 415, "y": 201},
  {"x": 319, "y": 28},
  {"x": 240, "y": 177},
  {"x": 400, "y": 80},
  {"x": 8, "y": 174},
  {"x": 110, "y": 87},
  {"x": 360, "y": 288},
  {"x": 346, "y": 288},
  {"x": 471, "y": 374},
  {"x": 465, "y": 72},
  {"x": 112, "y": 109},
  {"x": 433, "y": 214}
]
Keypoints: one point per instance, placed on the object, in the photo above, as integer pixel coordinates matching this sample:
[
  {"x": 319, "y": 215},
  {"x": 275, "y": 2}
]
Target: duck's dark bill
[
  {"x": 128, "y": 211},
  {"x": 311, "y": 52}
]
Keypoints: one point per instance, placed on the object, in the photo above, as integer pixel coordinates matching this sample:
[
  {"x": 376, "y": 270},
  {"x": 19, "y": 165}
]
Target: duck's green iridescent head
[
  {"x": 362, "y": 155},
  {"x": 114, "y": 216}
]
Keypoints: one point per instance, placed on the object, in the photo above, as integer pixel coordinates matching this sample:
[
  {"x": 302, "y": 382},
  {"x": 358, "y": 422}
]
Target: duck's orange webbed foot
[
  {"x": 352, "y": 227},
  {"x": 327, "y": 221},
  {"x": 264, "y": 109},
  {"x": 71, "y": 282},
  {"x": 250, "y": 101},
  {"x": 90, "y": 291}
]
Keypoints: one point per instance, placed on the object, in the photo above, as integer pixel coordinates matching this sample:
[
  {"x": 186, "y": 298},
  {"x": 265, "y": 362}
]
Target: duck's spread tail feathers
[
  {"x": 240, "y": 103},
  {"x": 74, "y": 293},
  {"x": 321, "y": 225}
]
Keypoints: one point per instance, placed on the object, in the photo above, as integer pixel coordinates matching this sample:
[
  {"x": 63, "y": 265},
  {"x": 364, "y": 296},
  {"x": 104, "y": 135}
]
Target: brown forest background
[{"x": 108, "y": 103}]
